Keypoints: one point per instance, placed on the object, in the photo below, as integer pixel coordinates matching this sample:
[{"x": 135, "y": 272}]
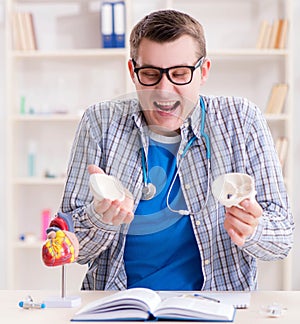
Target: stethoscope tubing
[{"x": 189, "y": 144}]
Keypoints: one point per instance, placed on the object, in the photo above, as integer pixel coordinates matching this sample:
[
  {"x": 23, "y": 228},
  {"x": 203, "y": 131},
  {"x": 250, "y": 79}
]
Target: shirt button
[
  {"x": 206, "y": 262},
  {"x": 197, "y": 222},
  {"x": 180, "y": 152},
  {"x": 187, "y": 186}
]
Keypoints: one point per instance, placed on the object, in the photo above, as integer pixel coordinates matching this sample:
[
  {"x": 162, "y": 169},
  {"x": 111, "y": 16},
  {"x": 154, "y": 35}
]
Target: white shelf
[
  {"x": 251, "y": 52},
  {"x": 36, "y": 181},
  {"x": 105, "y": 53},
  {"x": 75, "y": 53},
  {"x": 47, "y": 118},
  {"x": 28, "y": 245},
  {"x": 277, "y": 117}
]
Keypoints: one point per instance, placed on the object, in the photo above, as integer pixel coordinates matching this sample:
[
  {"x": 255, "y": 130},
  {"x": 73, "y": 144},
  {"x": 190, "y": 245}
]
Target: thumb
[{"x": 92, "y": 168}]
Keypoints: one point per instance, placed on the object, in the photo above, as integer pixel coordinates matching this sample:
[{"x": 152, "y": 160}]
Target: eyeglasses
[{"x": 179, "y": 75}]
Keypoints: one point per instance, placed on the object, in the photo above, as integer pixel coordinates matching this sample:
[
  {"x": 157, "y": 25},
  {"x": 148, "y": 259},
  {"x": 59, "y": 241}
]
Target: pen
[
  {"x": 28, "y": 304},
  {"x": 207, "y": 297}
]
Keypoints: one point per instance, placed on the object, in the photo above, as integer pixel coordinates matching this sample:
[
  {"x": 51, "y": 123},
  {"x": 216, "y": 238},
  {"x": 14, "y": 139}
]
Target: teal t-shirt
[{"x": 161, "y": 252}]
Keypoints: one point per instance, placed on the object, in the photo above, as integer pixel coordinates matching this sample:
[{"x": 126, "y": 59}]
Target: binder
[
  {"x": 119, "y": 24},
  {"x": 107, "y": 24},
  {"x": 113, "y": 24}
]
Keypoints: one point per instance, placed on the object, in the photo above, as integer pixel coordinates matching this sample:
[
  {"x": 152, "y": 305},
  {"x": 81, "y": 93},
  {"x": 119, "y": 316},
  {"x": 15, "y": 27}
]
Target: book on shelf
[
  {"x": 113, "y": 24},
  {"x": 23, "y": 31},
  {"x": 272, "y": 35},
  {"x": 277, "y": 98},
  {"x": 148, "y": 305},
  {"x": 281, "y": 146},
  {"x": 263, "y": 35},
  {"x": 282, "y": 34}
]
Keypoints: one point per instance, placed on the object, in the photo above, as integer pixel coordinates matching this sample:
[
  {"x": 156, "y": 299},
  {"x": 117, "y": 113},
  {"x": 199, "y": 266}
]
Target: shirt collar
[{"x": 192, "y": 123}]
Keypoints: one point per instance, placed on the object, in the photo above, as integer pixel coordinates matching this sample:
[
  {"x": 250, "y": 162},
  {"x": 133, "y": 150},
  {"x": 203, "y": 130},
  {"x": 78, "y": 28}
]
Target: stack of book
[
  {"x": 113, "y": 24},
  {"x": 272, "y": 36},
  {"x": 24, "y": 38}
]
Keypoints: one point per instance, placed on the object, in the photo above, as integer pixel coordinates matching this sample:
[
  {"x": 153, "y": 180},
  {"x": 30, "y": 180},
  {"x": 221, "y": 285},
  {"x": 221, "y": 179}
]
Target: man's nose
[{"x": 164, "y": 82}]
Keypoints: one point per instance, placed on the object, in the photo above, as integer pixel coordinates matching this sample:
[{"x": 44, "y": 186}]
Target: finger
[
  {"x": 252, "y": 207},
  {"x": 72, "y": 237},
  {"x": 236, "y": 237},
  {"x": 129, "y": 218},
  {"x": 102, "y": 206},
  {"x": 51, "y": 235},
  {"x": 92, "y": 168},
  {"x": 242, "y": 228},
  {"x": 120, "y": 217},
  {"x": 111, "y": 212},
  {"x": 242, "y": 216}
]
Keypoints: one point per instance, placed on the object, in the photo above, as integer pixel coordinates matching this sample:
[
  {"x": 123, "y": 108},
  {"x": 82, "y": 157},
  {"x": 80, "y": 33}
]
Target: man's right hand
[{"x": 113, "y": 212}]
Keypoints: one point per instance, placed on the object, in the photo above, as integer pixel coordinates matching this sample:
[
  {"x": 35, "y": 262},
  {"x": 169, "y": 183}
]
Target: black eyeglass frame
[{"x": 166, "y": 71}]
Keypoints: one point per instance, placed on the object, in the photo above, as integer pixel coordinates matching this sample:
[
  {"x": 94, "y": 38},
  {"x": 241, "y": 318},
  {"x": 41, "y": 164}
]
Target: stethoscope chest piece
[{"x": 148, "y": 191}]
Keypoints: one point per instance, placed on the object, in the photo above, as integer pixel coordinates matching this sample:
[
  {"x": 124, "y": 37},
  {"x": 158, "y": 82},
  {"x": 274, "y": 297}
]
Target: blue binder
[
  {"x": 119, "y": 24},
  {"x": 113, "y": 23},
  {"x": 107, "y": 24}
]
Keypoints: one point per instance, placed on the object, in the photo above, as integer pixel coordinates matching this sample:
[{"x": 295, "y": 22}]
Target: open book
[{"x": 146, "y": 304}]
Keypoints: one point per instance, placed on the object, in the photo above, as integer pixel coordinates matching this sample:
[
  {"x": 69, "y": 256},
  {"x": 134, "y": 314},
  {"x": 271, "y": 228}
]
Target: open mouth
[{"x": 166, "y": 106}]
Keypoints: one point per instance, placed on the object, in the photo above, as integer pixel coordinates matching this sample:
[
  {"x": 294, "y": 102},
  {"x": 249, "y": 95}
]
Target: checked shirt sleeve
[{"x": 274, "y": 235}]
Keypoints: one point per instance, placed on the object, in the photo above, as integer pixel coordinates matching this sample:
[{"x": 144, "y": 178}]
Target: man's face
[{"x": 166, "y": 105}]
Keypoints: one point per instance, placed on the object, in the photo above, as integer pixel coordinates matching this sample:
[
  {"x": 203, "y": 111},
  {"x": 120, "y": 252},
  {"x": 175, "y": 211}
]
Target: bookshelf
[{"x": 69, "y": 70}]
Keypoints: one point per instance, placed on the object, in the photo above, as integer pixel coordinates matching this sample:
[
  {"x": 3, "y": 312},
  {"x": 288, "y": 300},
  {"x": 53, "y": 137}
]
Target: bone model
[{"x": 232, "y": 188}]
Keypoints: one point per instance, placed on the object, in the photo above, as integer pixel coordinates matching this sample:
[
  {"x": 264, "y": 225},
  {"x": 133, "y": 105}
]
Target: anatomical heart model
[
  {"x": 61, "y": 246},
  {"x": 58, "y": 250}
]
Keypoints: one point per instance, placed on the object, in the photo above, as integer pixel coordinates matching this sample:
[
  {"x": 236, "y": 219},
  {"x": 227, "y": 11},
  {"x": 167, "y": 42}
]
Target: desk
[{"x": 10, "y": 313}]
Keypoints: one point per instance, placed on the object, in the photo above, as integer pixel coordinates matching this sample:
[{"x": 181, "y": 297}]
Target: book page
[
  {"x": 193, "y": 308},
  {"x": 238, "y": 299},
  {"x": 142, "y": 298}
]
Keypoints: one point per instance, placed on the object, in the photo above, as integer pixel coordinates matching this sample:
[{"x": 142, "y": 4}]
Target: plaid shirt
[{"x": 110, "y": 135}]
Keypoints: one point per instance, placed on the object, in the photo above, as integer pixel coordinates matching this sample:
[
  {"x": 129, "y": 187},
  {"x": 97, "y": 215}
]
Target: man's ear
[
  {"x": 205, "y": 70},
  {"x": 131, "y": 68}
]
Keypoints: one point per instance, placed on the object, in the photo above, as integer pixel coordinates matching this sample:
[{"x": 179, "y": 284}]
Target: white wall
[
  {"x": 2, "y": 159},
  {"x": 296, "y": 193}
]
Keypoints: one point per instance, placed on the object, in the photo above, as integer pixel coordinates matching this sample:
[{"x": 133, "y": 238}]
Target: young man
[{"x": 166, "y": 147}]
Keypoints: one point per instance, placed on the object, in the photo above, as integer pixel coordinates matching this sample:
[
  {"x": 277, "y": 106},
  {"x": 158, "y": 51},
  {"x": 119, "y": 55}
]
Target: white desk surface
[{"x": 10, "y": 312}]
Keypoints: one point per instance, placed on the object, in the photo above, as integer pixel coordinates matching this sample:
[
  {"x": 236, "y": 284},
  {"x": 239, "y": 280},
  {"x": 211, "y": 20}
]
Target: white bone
[
  {"x": 232, "y": 188},
  {"x": 106, "y": 186}
]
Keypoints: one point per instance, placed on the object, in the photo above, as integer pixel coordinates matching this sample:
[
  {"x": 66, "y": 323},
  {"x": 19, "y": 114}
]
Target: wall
[
  {"x": 296, "y": 201},
  {"x": 2, "y": 140},
  {"x": 296, "y": 191}
]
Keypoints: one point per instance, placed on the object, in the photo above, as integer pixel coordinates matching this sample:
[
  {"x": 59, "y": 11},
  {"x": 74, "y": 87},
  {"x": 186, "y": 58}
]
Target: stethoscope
[{"x": 149, "y": 189}]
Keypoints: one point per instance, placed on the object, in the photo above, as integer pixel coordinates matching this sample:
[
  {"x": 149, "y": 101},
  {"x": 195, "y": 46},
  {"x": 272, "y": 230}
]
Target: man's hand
[
  {"x": 241, "y": 223},
  {"x": 113, "y": 212}
]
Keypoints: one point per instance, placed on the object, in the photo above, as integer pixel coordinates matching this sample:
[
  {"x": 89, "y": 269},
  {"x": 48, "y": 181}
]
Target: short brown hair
[{"x": 166, "y": 26}]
